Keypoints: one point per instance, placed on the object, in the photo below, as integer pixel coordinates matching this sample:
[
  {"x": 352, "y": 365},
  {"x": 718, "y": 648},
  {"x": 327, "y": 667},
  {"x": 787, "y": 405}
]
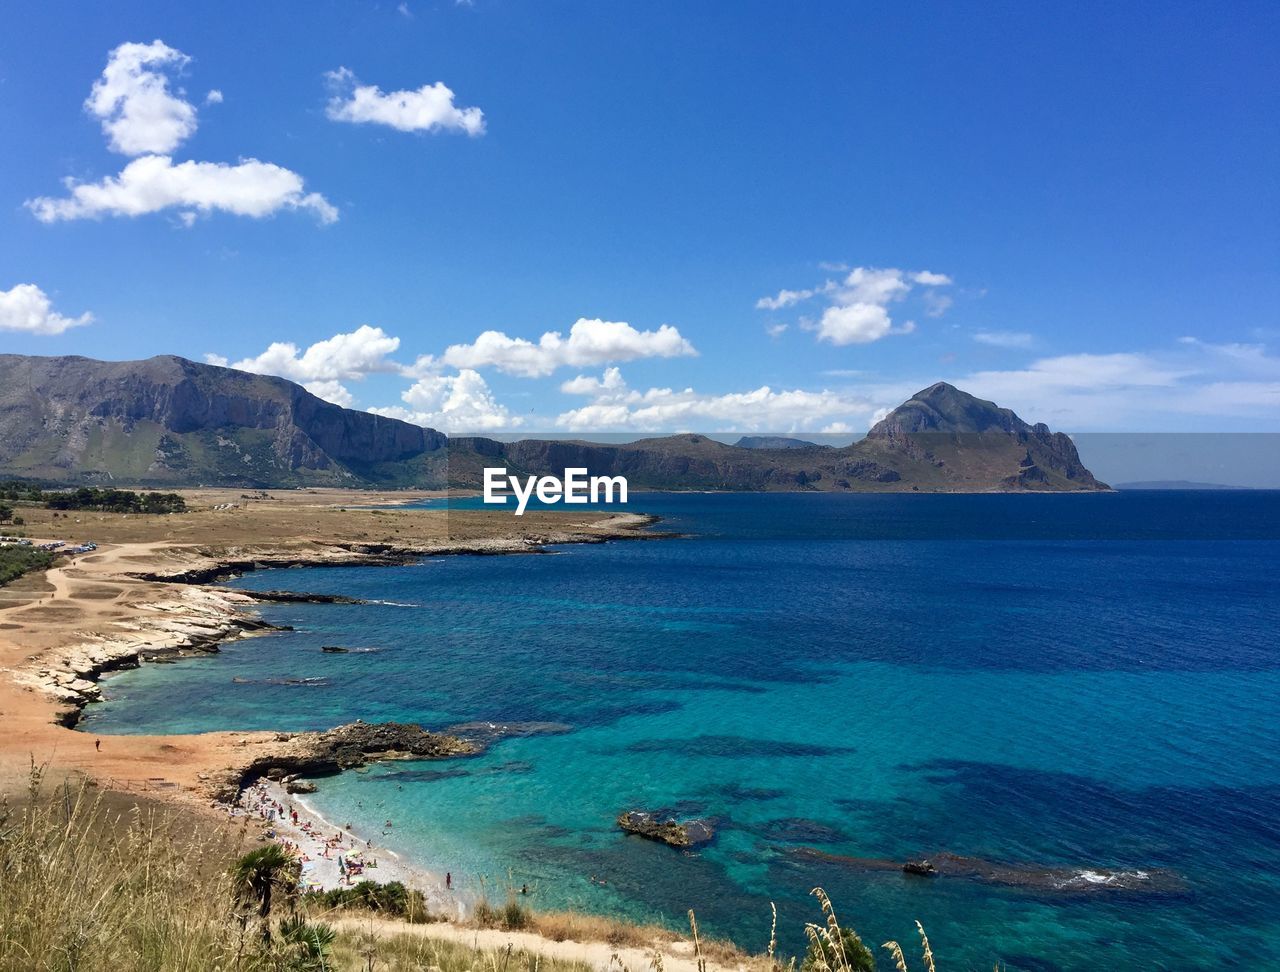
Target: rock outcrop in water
[
  {"x": 665, "y": 829},
  {"x": 310, "y": 754}
]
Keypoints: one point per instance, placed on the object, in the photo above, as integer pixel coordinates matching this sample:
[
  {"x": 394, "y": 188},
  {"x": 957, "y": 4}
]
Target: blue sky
[{"x": 741, "y": 216}]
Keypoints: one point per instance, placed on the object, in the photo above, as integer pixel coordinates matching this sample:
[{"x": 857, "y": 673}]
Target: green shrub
[
  {"x": 392, "y": 899},
  {"x": 16, "y": 561}
]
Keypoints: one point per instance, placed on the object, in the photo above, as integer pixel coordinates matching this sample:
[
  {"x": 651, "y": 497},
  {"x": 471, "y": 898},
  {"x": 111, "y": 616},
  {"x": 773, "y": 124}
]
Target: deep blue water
[{"x": 1048, "y": 681}]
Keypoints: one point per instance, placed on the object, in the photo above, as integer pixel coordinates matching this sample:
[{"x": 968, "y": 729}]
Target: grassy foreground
[{"x": 86, "y": 887}]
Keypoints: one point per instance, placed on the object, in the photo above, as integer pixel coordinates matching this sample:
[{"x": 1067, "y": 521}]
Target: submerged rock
[
  {"x": 300, "y": 597},
  {"x": 667, "y": 830},
  {"x": 1038, "y": 879},
  {"x": 802, "y": 830},
  {"x": 921, "y": 868}
]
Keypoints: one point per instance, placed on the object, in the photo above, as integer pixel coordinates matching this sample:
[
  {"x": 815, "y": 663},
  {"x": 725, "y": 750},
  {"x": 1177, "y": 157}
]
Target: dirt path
[{"x": 676, "y": 956}]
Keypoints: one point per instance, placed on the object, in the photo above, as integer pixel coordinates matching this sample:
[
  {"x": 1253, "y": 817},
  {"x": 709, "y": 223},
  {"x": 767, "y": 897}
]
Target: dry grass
[
  {"x": 572, "y": 926},
  {"x": 409, "y": 952},
  {"x": 88, "y": 887}
]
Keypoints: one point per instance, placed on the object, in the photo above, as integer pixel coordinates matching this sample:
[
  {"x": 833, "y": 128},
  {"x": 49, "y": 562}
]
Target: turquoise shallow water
[{"x": 1050, "y": 682}]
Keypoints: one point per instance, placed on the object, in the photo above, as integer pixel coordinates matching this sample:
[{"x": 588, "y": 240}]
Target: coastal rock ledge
[{"x": 310, "y": 754}]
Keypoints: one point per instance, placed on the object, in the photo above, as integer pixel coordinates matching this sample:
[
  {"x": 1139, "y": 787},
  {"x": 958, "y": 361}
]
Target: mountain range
[{"x": 168, "y": 421}]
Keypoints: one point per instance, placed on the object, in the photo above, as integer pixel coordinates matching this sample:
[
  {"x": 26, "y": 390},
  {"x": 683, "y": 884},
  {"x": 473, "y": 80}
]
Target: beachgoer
[
  {"x": 524, "y": 889},
  {"x": 448, "y": 880},
  {"x": 97, "y": 745}
]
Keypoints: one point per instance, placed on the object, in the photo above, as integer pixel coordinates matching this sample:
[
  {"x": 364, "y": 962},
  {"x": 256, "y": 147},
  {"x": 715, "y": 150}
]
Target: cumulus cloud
[
  {"x": 590, "y": 342},
  {"x": 323, "y": 366},
  {"x": 27, "y": 308},
  {"x": 1004, "y": 339},
  {"x": 426, "y": 109},
  {"x": 332, "y": 391},
  {"x": 858, "y": 304},
  {"x": 856, "y": 323},
  {"x": 610, "y": 381},
  {"x": 153, "y": 183},
  {"x": 614, "y": 406},
  {"x": 139, "y": 113},
  {"x": 141, "y": 116},
  {"x": 462, "y": 402}
]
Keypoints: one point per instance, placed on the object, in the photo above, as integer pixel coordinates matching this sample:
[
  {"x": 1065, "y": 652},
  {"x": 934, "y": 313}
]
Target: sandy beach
[{"x": 336, "y": 855}]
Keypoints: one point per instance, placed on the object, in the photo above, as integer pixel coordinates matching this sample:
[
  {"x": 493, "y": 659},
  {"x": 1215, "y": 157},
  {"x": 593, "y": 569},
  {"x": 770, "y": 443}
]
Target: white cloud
[
  {"x": 426, "y": 109},
  {"x": 404, "y": 11},
  {"x": 1123, "y": 390},
  {"x": 776, "y": 330},
  {"x": 139, "y": 114},
  {"x": 219, "y": 360},
  {"x": 785, "y": 298},
  {"x": 323, "y": 366},
  {"x": 857, "y": 323},
  {"x": 857, "y": 310},
  {"x": 1004, "y": 339},
  {"x": 1075, "y": 372},
  {"x": 452, "y": 403},
  {"x": 590, "y": 342},
  {"x": 936, "y": 304},
  {"x": 1192, "y": 386},
  {"x": 154, "y": 183},
  {"x": 332, "y": 391},
  {"x": 610, "y": 381},
  {"x": 141, "y": 117},
  {"x": 927, "y": 278},
  {"x": 352, "y": 355},
  {"x": 27, "y": 308},
  {"x": 616, "y": 407}
]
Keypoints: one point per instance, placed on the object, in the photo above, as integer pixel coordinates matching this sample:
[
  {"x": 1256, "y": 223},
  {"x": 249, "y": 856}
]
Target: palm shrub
[{"x": 259, "y": 875}]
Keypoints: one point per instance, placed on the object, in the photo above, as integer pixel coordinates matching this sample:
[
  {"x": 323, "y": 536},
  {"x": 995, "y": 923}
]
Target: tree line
[{"x": 95, "y": 498}]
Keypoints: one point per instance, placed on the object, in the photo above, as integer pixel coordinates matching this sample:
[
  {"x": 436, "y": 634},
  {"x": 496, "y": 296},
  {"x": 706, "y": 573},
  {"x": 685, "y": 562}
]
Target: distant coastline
[{"x": 1183, "y": 484}]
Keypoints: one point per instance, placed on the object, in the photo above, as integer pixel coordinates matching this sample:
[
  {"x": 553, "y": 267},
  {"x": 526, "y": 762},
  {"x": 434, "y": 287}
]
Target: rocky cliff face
[
  {"x": 974, "y": 438},
  {"x": 168, "y": 419}
]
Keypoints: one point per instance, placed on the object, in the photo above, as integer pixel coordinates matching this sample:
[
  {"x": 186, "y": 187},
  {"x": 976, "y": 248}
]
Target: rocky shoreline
[
  {"x": 174, "y": 612},
  {"x": 198, "y": 618},
  {"x": 193, "y": 622}
]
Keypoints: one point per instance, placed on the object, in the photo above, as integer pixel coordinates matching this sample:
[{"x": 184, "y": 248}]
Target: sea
[{"x": 1072, "y": 702}]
